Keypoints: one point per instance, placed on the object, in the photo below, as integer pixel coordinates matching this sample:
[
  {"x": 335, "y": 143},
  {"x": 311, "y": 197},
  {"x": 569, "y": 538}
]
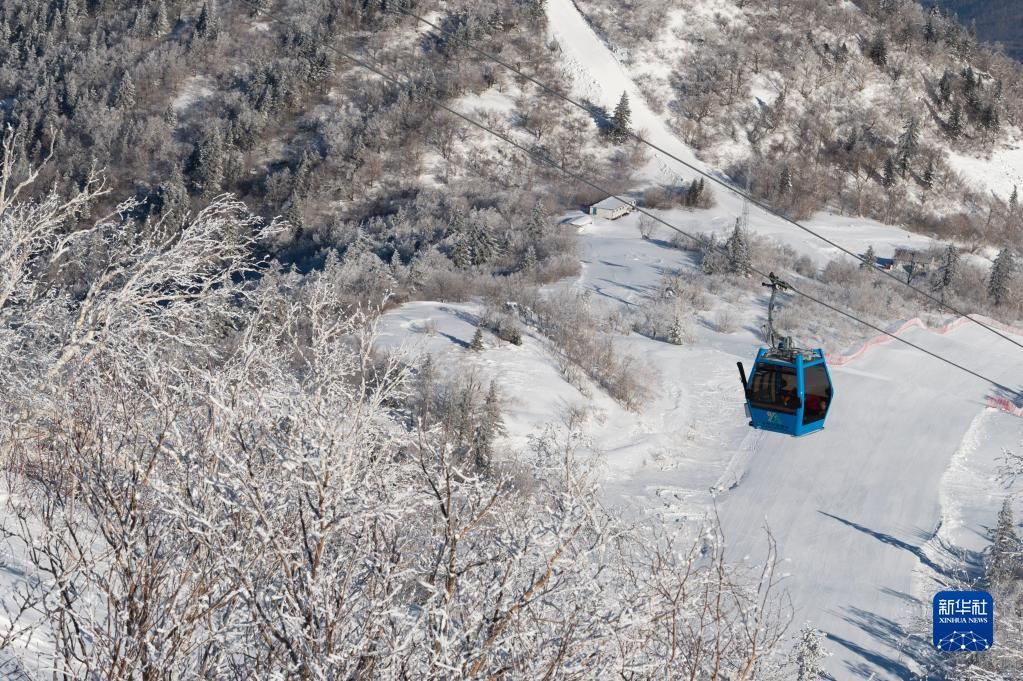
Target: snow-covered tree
[
  {"x": 810, "y": 655},
  {"x": 888, "y": 178},
  {"x": 160, "y": 24},
  {"x": 785, "y": 181},
  {"x": 948, "y": 275},
  {"x": 477, "y": 340},
  {"x": 1000, "y": 278},
  {"x": 869, "y": 258},
  {"x": 955, "y": 124},
  {"x": 878, "y": 49},
  {"x": 621, "y": 120},
  {"x": 1005, "y": 557},
  {"x": 740, "y": 258},
  {"x": 909, "y": 143}
]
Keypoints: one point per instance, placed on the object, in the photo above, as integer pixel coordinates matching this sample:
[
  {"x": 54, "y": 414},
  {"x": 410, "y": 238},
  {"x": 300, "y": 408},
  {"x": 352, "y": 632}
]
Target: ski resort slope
[
  {"x": 858, "y": 509},
  {"x": 855, "y": 508}
]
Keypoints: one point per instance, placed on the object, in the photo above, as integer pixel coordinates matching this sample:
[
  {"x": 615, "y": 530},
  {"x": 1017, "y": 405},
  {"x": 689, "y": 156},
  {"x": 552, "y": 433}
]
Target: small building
[
  {"x": 907, "y": 257},
  {"x": 612, "y": 208}
]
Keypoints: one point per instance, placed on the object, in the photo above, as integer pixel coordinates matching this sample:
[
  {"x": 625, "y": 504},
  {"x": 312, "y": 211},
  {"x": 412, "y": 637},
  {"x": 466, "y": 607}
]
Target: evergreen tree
[
  {"x": 878, "y": 50},
  {"x": 1001, "y": 277},
  {"x": 124, "y": 93},
  {"x": 173, "y": 200},
  {"x": 928, "y": 177},
  {"x": 207, "y": 162},
  {"x": 488, "y": 429},
  {"x": 462, "y": 255},
  {"x": 785, "y": 181},
  {"x": 869, "y": 259},
  {"x": 677, "y": 331},
  {"x": 621, "y": 120},
  {"x": 207, "y": 26},
  {"x": 739, "y": 259},
  {"x": 955, "y": 122},
  {"x": 477, "y": 340},
  {"x": 888, "y": 176},
  {"x": 949, "y": 270},
  {"x": 1014, "y": 200},
  {"x": 909, "y": 142},
  {"x": 945, "y": 88},
  {"x": 160, "y": 24},
  {"x": 537, "y": 222},
  {"x": 483, "y": 247},
  {"x": 1005, "y": 557},
  {"x": 529, "y": 260},
  {"x": 810, "y": 655}
]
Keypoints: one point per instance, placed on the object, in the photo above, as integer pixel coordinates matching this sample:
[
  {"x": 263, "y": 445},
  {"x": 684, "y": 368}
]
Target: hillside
[{"x": 995, "y": 20}]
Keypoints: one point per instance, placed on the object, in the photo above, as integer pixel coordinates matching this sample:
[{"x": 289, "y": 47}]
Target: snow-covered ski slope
[{"x": 857, "y": 509}]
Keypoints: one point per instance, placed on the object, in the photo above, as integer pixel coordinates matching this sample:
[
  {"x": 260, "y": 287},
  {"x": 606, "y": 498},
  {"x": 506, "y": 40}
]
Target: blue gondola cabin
[{"x": 789, "y": 390}]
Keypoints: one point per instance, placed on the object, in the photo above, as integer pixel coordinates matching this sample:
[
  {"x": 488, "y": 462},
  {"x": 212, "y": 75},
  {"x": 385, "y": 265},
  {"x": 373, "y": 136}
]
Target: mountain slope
[{"x": 999, "y": 21}]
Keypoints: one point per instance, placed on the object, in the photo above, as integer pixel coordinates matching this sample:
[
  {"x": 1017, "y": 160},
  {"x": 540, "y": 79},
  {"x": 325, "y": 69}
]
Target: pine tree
[
  {"x": 477, "y": 340},
  {"x": 160, "y": 24},
  {"x": 888, "y": 177},
  {"x": 173, "y": 200},
  {"x": 1014, "y": 200},
  {"x": 124, "y": 93},
  {"x": 945, "y": 88},
  {"x": 810, "y": 655},
  {"x": 529, "y": 260},
  {"x": 488, "y": 429},
  {"x": 621, "y": 120},
  {"x": 207, "y": 162},
  {"x": 739, "y": 258},
  {"x": 949, "y": 270},
  {"x": 785, "y": 181},
  {"x": 878, "y": 51},
  {"x": 1005, "y": 559},
  {"x": 537, "y": 222},
  {"x": 483, "y": 246},
  {"x": 677, "y": 334},
  {"x": 207, "y": 26},
  {"x": 928, "y": 177},
  {"x": 909, "y": 142},
  {"x": 869, "y": 259},
  {"x": 1001, "y": 276},
  {"x": 955, "y": 122},
  {"x": 462, "y": 255}
]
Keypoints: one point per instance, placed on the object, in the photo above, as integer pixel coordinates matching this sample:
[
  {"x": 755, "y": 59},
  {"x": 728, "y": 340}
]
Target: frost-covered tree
[
  {"x": 1014, "y": 200},
  {"x": 909, "y": 143},
  {"x": 869, "y": 258},
  {"x": 160, "y": 23},
  {"x": 621, "y": 120},
  {"x": 810, "y": 655},
  {"x": 536, "y": 225},
  {"x": 1000, "y": 278},
  {"x": 785, "y": 181},
  {"x": 206, "y": 165},
  {"x": 948, "y": 275},
  {"x": 477, "y": 340},
  {"x": 878, "y": 49},
  {"x": 888, "y": 173},
  {"x": 740, "y": 258},
  {"x": 955, "y": 124},
  {"x": 1005, "y": 557},
  {"x": 207, "y": 26},
  {"x": 124, "y": 92}
]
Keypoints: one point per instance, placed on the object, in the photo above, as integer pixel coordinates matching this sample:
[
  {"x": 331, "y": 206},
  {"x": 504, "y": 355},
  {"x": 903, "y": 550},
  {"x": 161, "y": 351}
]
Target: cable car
[{"x": 789, "y": 389}]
